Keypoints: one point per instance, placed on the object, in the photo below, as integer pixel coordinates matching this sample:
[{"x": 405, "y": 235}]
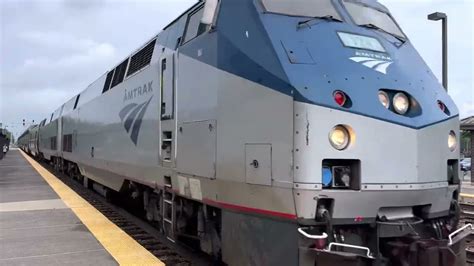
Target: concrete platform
[
  {"x": 467, "y": 188},
  {"x": 36, "y": 226}
]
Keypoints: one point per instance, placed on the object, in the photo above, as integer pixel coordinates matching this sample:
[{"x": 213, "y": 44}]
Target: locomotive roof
[
  {"x": 371, "y": 3},
  {"x": 155, "y": 36}
]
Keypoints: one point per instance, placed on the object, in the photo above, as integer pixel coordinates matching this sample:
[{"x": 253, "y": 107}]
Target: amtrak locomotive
[{"x": 270, "y": 132}]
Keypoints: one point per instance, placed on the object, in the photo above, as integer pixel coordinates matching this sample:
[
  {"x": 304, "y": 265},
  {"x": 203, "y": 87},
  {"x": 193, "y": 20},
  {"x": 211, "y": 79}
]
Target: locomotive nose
[{"x": 377, "y": 151}]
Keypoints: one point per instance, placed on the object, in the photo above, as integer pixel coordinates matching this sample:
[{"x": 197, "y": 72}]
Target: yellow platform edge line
[
  {"x": 466, "y": 195},
  {"x": 123, "y": 248}
]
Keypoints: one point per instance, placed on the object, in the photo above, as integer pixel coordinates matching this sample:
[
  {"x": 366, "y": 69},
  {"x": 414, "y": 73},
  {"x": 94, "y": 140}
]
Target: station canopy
[{"x": 467, "y": 123}]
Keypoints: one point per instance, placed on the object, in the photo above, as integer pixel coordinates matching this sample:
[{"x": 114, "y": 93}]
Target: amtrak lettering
[
  {"x": 377, "y": 62},
  {"x": 139, "y": 91},
  {"x": 375, "y": 56}
]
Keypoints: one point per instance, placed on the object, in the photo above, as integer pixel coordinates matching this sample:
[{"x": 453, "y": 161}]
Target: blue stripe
[
  {"x": 228, "y": 48},
  {"x": 138, "y": 123},
  {"x": 126, "y": 110},
  {"x": 303, "y": 100},
  {"x": 131, "y": 117}
]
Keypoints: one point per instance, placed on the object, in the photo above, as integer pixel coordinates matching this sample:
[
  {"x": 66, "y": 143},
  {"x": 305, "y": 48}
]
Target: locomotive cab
[
  {"x": 367, "y": 112},
  {"x": 364, "y": 110}
]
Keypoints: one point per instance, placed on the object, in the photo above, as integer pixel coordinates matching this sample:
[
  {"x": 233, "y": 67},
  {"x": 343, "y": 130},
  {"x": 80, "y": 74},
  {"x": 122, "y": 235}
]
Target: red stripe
[{"x": 250, "y": 210}]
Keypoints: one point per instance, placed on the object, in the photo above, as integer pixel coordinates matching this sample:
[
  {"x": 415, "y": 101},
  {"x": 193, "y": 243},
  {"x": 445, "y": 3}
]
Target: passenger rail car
[
  {"x": 270, "y": 132},
  {"x": 28, "y": 141}
]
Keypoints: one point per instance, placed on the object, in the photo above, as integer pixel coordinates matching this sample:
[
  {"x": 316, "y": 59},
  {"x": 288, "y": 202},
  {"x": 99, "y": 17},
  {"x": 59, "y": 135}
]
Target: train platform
[
  {"x": 44, "y": 222},
  {"x": 467, "y": 187},
  {"x": 467, "y": 190}
]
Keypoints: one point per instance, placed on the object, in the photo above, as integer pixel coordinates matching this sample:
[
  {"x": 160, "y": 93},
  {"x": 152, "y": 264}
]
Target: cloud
[
  {"x": 56, "y": 40},
  {"x": 426, "y": 37},
  {"x": 467, "y": 109},
  {"x": 81, "y": 5},
  {"x": 60, "y": 70},
  {"x": 52, "y": 50},
  {"x": 85, "y": 57},
  {"x": 25, "y": 105}
]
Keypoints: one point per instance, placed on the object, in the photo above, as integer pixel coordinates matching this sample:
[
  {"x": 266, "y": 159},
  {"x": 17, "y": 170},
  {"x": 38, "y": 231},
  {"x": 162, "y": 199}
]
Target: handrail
[
  {"x": 323, "y": 236},
  {"x": 450, "y": 237},
  {"x": 350, "y": 246}
]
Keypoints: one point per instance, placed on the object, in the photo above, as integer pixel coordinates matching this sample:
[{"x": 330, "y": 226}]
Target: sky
[{"x": 50, "y": 50}]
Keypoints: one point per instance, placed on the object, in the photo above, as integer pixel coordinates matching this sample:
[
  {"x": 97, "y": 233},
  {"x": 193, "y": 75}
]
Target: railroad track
[
  {"x": 467, "y": 216},
  {"x": 143, "y": 232},
  {"x": 467, "y": 207},
  {"x": 470, "y": 255},
  {"x": 467, "y": 213}
]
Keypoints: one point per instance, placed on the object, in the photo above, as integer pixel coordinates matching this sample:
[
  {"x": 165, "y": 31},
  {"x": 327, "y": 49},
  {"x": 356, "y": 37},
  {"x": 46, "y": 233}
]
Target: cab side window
[{"x": 194, "y": 26}]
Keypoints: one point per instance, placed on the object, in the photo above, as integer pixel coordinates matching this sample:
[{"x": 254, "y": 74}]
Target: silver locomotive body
[{"x": 220, "y": 125}]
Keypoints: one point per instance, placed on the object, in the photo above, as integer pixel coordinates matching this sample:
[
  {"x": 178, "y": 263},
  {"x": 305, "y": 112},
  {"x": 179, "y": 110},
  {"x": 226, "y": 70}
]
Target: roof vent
[{"x": 141, "y": 59}]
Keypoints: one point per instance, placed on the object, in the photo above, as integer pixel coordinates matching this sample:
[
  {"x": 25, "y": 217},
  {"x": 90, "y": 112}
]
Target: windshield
[
  {"x": 363, "y": 15},
  {"x": 302, "y": 8}
]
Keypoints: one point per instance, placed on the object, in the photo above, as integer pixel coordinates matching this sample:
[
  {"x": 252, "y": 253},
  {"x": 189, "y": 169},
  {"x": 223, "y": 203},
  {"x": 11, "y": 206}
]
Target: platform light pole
[{"x": 444, "y": 18}]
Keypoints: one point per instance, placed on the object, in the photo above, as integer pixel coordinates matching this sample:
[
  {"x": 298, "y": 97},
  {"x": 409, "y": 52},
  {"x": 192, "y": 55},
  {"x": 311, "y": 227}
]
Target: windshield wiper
[
  {"x": 328, "y": 18},
  {"x": 375, "y": 27}
]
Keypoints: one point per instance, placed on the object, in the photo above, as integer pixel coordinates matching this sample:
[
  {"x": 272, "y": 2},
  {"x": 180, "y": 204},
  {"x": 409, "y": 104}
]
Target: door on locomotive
[{"x": 167, "y": 109}]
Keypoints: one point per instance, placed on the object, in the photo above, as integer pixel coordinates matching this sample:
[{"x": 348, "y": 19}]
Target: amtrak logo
[
  {"x": 132, "y": 116},
  {"x": 376, "y": 62}
]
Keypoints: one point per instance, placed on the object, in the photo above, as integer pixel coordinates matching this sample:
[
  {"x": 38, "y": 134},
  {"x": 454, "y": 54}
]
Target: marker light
[
  {"x": 340, "y": 98},
  {"x": 327, "y": 176},
  {"x": 441, "y": 106},
  {"x": 452, "y": 141},
  {"x": 339, "y": 137},
  {"x": 384, "y": 100},
  {"x": 401, "y": 103}
]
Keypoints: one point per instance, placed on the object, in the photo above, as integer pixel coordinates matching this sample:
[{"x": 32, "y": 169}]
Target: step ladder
[{"x": 169, "y": 212}]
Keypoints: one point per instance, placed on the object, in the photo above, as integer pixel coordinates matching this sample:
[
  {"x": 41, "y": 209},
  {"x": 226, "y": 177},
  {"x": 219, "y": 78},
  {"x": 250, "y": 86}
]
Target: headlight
[
  {"x": 384, "y": 100},
  {"x": 342, "y": 176},
  {"x": 401, "y": 103},
  {"x": 339, "y": 137},
  {"x": 452, "y": 141}
]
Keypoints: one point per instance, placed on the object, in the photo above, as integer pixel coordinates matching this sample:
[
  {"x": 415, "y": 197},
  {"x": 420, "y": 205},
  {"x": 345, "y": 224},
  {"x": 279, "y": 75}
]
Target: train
[
  {"x": 270, "y": 132},
  {"x": 28, "y": 140}
]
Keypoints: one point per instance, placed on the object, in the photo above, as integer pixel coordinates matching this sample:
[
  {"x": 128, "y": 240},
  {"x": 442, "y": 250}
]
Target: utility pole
[{"x": 444, "y": 18}]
